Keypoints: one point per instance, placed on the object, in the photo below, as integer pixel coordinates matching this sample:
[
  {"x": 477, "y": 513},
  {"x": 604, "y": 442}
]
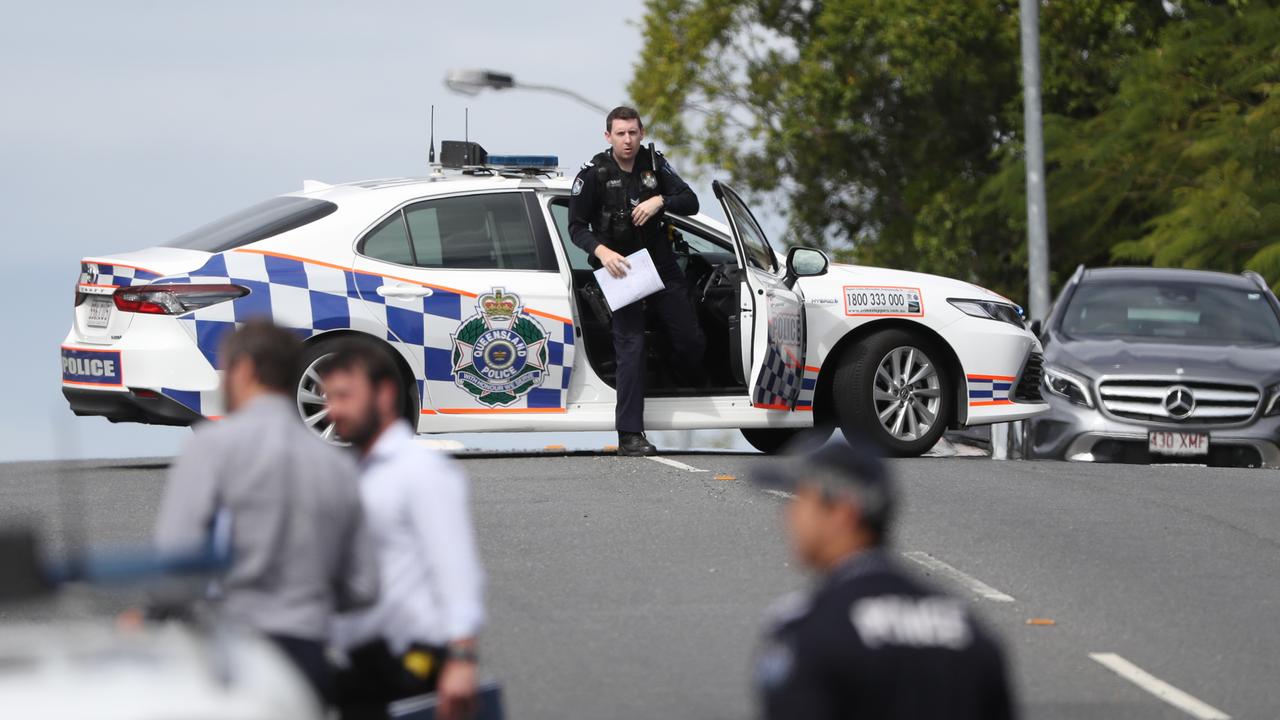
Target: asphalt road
[{"x": 630, "y": 588}]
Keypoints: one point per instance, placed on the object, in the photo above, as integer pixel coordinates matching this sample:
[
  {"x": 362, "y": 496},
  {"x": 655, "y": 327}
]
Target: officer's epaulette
[{"x": 586, "y": 165}]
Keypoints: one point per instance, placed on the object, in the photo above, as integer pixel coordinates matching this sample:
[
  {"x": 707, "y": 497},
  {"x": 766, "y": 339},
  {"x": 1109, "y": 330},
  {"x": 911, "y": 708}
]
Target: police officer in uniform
[
  {"x": 869, "y": 640},
  {"x": 618, "y": 200}
]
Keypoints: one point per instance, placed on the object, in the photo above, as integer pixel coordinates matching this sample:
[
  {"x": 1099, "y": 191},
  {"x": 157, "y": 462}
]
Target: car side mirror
[
  {"x": 806, "y": 262},
  {"x": 1035, "y": 327}
]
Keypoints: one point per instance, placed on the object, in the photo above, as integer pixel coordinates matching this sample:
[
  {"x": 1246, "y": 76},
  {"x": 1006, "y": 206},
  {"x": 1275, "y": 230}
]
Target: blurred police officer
[
  {"x": 300, "y": 548},
  {"x": 421, "y": 635},
  {"x": 869, "y": 640},
  {"x": 615, "y": 210}
]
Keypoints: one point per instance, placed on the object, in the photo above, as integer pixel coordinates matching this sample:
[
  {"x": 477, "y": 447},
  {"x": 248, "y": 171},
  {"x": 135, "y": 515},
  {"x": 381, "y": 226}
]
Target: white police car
[{"x": 469, "y": 279}]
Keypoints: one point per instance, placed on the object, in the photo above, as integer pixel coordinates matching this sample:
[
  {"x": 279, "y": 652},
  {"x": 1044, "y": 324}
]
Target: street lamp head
[{"x": 470, "y": 81}]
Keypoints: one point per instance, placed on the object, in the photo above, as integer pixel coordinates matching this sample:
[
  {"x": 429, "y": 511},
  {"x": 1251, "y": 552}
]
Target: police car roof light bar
[{"x": 532, "y": 162}]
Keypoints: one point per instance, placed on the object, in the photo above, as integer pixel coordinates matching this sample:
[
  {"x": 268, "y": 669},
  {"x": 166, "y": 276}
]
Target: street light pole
[
  {"x": 470, "y": 81},
  {"x": 1037, "y": 220}
]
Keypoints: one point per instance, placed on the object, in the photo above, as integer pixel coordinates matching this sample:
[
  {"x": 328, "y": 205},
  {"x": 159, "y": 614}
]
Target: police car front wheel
[{"x": 890, "y": 387}]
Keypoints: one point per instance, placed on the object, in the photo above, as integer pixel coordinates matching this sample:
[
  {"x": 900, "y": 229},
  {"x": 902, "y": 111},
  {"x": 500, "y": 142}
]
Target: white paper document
[{"x": 641, "y": 281}]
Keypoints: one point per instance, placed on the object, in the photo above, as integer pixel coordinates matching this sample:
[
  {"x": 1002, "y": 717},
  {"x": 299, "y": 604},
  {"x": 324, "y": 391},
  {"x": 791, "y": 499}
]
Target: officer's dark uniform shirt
[
  {"x": 604, "y": 196},
  {"x": 873, "y": 642}
]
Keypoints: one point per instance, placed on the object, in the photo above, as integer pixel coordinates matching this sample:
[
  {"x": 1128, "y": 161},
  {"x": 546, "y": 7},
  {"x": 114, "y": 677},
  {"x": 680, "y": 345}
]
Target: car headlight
[
  {"x": 991, "y": 310},
  {"x": 1273, "y": 400},
  {"x": 1066, "y": 384}
]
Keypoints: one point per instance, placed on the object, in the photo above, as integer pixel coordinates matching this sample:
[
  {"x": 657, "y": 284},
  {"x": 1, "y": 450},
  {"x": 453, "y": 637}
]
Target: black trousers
[
  {"x": 309, "y": 657},
  {"x": 680, "y": 321},
  {"x": 376, "y": 676}
]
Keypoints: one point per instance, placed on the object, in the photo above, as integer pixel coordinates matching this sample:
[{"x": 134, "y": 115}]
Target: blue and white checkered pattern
[
  {"x": 986, "y": 390},
  {"x": 808, "y": 384},
  {"x": 313, "y": 298},
  {"x": 778, "y": 381},
  {"x": 118, "y": 275}
]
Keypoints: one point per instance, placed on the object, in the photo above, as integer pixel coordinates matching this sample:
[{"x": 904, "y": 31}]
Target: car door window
[
  {"x": 754, "y": 242},
  {"x": 477, "y": 232},
  {"x": 389, "y": 242},
  {"x": 577, "y": 256}
]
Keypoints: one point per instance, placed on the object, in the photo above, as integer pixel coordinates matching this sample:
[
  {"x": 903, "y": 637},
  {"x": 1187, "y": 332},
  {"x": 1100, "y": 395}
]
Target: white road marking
[
  {"x": 781, "y": 493},
  {"x": 1192, "y": 706},
  {"x": 972, "y": 583},
  {"x": 674, "y": 463}
]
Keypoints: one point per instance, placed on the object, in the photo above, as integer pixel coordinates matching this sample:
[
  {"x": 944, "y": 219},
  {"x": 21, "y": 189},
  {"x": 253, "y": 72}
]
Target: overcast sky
[{"x": 123, "y": 124}]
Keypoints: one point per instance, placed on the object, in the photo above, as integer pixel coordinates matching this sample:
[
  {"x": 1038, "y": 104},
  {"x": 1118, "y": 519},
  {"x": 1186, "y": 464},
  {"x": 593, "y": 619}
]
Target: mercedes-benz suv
[{"x": 1161, "y": 365}]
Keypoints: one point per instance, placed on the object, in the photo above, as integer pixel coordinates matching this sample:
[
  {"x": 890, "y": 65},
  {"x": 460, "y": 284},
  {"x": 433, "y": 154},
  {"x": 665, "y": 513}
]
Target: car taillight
[{"x": 173, "y": 299}]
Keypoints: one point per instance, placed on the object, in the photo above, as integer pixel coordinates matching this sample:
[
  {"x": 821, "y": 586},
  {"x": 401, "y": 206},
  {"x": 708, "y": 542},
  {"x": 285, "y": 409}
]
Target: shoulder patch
[{"x": 577, "y": 186}]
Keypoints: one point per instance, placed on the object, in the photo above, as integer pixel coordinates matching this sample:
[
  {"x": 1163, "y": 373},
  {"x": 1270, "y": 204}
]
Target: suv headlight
[
  {"x": 1273, "y": 400},
  {"x": 991, "y": 310},
  {"x": 1066, "y": 384}
]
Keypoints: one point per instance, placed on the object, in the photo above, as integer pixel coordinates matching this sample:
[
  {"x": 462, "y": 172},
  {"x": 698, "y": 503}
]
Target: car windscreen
[
  {"x": 254, "y": 223},
  {"x": 1171, "y": 312}
]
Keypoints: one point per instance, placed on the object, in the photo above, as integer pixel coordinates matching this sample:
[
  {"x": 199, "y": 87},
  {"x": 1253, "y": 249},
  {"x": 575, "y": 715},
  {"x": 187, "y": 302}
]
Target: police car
[{"x": 468, "y": 278}]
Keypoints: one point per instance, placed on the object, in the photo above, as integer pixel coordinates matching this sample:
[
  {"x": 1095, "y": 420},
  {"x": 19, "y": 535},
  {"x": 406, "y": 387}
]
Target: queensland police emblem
[
  {"x": 648, "y": 179},
  {"x": 500, "y": 353}
]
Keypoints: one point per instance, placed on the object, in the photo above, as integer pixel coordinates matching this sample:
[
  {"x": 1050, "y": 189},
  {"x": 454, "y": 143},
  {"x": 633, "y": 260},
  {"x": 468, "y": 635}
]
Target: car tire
[
  {"x": 309, "y": 397},
  {"x": 887, "y": 386},
  {"x": 770, "y": 440}
]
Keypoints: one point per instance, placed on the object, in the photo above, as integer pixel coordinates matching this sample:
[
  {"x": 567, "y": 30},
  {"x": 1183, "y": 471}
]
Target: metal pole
[
  {"x": 1037, "y": 221},
  {"x": 565, "y": 92}
]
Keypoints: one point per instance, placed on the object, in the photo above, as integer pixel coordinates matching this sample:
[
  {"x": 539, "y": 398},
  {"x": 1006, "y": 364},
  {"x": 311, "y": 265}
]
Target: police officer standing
[
  {"x": 618, "y": 198},
  {"x": 869, "y": 640}
]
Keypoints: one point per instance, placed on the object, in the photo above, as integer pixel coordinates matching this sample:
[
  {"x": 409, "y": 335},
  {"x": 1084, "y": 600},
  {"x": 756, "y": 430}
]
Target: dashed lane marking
[
  {"x": 1186, "y": 703},
  {"x": 674, "y": 463},
  {"x": 781, "y": 493},
  {"x": 972, "y": 583}
]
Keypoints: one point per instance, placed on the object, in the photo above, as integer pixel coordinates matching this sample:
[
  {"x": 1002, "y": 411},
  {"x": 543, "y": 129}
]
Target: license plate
[
  {"x": 1160, "y": 442},
  {"x": 99, "y": 312}
]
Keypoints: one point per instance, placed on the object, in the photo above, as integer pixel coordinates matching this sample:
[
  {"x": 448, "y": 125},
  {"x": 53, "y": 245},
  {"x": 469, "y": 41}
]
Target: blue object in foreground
[{"x": 423, "y": 707}]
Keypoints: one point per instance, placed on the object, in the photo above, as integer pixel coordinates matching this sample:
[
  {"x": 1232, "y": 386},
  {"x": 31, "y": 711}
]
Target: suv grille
[
  {"x": 1174, "y": 400},
  {"x": 1028, "y": 390}
]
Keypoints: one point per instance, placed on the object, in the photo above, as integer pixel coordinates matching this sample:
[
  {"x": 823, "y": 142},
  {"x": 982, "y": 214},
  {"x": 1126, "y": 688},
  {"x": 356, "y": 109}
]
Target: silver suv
[{"x": 1161, "y": 365}]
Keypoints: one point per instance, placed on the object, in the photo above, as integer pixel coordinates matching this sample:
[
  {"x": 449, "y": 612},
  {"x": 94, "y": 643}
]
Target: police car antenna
[{"x": 431, "y": 152}]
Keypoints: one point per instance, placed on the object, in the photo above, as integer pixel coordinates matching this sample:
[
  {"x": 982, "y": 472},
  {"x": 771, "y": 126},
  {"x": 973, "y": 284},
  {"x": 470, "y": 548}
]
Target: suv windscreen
[
  {"x": 254, "y": 223},
  {"x": 1171, "y": 311}
]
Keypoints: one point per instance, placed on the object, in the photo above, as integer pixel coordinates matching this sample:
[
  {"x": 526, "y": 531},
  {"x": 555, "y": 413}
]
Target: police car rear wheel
[
  {"x": 769, "y": 440},
  {"x": 310, "y": 392},
  {"x": 311, "y": 400},
  {"x": 890, "y": 388}
]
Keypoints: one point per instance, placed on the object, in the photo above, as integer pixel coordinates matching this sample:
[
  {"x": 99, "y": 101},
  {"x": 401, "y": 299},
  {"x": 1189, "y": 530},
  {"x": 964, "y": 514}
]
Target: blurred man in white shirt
[{"x": 421, "y": 635}]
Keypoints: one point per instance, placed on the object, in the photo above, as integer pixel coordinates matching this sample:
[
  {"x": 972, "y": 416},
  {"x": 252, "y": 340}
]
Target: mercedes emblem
[{"x": 1179, "y": 402}]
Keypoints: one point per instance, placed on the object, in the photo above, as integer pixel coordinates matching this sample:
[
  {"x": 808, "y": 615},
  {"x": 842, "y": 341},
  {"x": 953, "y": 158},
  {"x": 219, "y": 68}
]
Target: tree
[
  {"x": 889, "y": 131},
  {"x": 1179, "y": 166}
]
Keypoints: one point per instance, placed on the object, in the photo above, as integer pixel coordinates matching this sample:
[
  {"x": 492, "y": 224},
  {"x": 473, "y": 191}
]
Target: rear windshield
[
  {"x": 1172, "y": 311},
  {"x": 258, "y": 222}
]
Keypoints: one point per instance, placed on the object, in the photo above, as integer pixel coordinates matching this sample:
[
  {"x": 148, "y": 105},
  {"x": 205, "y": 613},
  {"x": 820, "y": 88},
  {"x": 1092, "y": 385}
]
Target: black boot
[{"x": 634, "y": 444}]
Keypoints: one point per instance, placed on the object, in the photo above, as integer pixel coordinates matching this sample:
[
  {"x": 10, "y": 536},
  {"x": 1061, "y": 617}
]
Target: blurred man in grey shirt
[{"x": 299, "y": 546}]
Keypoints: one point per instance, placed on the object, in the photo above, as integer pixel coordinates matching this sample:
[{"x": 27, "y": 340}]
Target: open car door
[{"x": 773, "y": 328}]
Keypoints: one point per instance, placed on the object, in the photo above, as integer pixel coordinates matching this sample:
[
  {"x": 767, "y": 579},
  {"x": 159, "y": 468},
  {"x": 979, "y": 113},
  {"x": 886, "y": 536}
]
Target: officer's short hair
[
  {"x": 273, "y": 351},
  {"x": 363, "y": 358},
  {"x": 622, "y": 112},
  {"x": 843, "y": 470}
]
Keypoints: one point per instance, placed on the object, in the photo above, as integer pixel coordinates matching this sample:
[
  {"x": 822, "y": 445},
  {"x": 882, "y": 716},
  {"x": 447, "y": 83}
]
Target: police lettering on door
[{"x": 91, "y": 367}]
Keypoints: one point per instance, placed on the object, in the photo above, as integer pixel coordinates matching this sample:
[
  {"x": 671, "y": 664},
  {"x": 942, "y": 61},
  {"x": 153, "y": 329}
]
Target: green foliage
[
  {"x": 1179, "y": 167},
  {"x": 890, "y": 130}
]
